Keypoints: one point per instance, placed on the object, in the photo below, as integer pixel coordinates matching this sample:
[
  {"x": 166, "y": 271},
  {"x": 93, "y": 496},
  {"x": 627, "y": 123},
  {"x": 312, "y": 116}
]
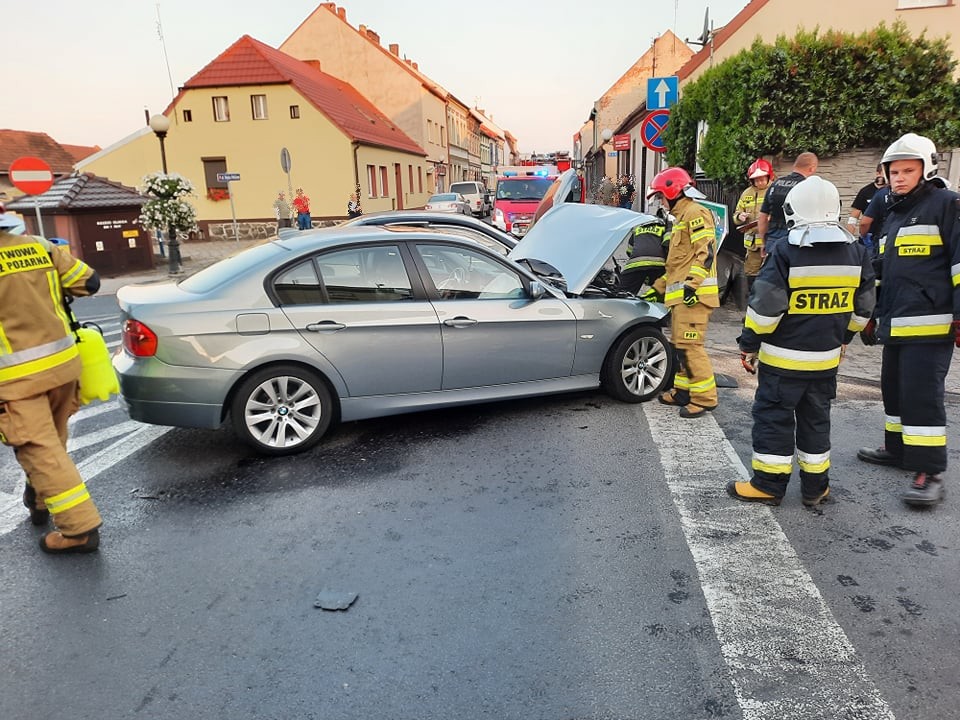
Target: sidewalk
[{"x": 860, "y": 363}]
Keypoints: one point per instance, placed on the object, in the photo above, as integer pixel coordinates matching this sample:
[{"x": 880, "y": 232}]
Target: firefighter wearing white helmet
[
  {"x": 813, "y": 294},
  {"x": 918, "y": 316},
  {"x": 39, "y": 369}
]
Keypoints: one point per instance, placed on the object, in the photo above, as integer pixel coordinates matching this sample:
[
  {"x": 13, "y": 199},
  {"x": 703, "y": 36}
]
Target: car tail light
[{"x": 138, "y": 339}]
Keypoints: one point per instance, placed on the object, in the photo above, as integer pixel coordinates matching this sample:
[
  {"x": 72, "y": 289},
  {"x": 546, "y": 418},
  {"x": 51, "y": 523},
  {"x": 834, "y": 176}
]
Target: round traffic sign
[
  {"x": 651, "y": 130},
  {"x": 30, "y": 175},
  {"x": 285, "y": 160}
]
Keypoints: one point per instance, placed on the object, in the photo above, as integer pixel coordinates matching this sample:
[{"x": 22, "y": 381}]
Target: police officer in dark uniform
[
  {"x": 771, "y": 225},
  {"x": 918, "y": 315},
  {"x": 815, "y": 291}
]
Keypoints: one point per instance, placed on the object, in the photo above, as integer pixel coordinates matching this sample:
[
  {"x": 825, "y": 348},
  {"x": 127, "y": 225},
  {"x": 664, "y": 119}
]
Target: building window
[
  {"x": 188, "y": 116},
  {"x": 294, "y": 112},
  {"x": 384, "y": 188},
  {"x": 419, "y": 178},
  {"x": 410, "y": 175},
  {"x": 221, "y": 109},
  {"x": 212, "y": 166},
  {"x": 443, "y": 136},
  {"x": 907, "y": 4},
  {"x": 429, "y": 130},
  {"x": 258, "y": 105},
  {"x": 372, "y": 181}
]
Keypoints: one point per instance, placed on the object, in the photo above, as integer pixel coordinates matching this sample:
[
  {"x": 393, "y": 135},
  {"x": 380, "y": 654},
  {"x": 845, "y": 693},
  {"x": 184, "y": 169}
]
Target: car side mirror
[{"x": 537, "y": 290}]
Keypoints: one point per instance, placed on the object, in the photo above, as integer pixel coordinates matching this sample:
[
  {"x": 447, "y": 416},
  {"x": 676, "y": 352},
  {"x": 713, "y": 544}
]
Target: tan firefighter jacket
[
  {"x": 38, "y": 351},
  {"x": 691, "y": 257}
]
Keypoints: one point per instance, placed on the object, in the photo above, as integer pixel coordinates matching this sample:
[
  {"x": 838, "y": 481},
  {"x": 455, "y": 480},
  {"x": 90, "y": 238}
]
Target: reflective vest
[
  {"x": 806, "y": 303},
  {"x": 690, "y": 259},
  {"x": 37, "y": 349},
  {"x": 920, "y": 267}
]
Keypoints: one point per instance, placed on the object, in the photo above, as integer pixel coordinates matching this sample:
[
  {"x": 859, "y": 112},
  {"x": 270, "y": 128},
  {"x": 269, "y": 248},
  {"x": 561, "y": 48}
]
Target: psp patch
[
  {"x": 696, "y": 222},
  {"x": 691, "y": 335}
]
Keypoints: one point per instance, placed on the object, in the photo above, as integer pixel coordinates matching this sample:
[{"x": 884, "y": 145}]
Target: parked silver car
[
  {"x": 347, "y": 323},
  {"x": 448, "y": 202}
]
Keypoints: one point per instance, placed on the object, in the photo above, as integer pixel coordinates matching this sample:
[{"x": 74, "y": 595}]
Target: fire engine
[{"x": 520, "y": 188}]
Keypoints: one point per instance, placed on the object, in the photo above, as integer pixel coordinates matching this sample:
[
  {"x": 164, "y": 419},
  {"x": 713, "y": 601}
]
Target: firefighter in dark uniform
[
  {"x": 646, "y": 256},
  {"x": 814, "y": 292},
  {"x": 771, "y": 225},
  {"x": 39, "y": 369},
  {"x": 918, "y": 315},
  {"x": 689, "y": 288}
]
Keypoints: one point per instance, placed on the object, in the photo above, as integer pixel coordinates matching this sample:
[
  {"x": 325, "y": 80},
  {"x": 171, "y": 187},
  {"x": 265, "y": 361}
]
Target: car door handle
[
  {"x": 460, "y": 322},
  {"x": 325, "y": 325}
]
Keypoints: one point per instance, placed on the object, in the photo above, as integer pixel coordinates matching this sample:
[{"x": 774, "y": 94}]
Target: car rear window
[
  {"x": 464, "y": 188},
  {"x": 222, "y": 272}
]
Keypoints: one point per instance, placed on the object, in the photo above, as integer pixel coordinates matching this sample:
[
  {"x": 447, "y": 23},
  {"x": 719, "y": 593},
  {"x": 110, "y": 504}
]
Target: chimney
[
  {"x": 394, "y": 49},
  {"x": 373, "y": 36},
  {"x": 332, "y": 7},
  {"x": 342, "y": 14},
  {"x": 415, "y": 66},
  {"x": 315, "y": 64}
]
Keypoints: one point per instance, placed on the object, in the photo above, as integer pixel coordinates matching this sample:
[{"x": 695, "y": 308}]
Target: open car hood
[{"x": 578, "y": 240}]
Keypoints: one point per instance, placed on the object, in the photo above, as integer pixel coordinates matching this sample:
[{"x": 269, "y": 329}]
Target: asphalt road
[{"x": 569, "y": 557}]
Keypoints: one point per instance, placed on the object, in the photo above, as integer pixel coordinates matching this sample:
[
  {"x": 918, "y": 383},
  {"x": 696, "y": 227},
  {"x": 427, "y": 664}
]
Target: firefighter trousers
[
  {"x": 912, "y": 381},
  {"x": 634, "y": 279},
  {"x": 36, "y": 429},
  {"x": 694, "y": 376},
  {"x": 792, "y": 414}
]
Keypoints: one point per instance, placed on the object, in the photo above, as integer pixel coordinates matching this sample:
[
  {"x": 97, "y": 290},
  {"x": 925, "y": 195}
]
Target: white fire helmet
[
  {"x": 912, "y": 147},
  {"x": 11, "y": 223},
  {"x": 812, "y": 213}
]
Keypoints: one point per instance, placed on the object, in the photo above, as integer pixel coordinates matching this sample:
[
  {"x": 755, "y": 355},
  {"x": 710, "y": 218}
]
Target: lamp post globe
[
  {"x": 606, "y": 134},
  {"x": 160, "y": 124}
]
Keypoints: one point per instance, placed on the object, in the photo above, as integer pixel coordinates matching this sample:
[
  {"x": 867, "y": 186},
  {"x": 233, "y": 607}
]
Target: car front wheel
[
  {"x": 639, "y": 366},
  {"x": 282, "y": 410}
]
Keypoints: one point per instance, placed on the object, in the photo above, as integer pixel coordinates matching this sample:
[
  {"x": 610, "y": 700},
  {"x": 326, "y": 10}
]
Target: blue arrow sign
[{"x": 662, "y": 92}]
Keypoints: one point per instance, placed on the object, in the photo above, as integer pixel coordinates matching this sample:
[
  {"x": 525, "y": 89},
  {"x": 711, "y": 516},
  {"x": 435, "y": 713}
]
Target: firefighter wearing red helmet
[
  {"x": 760, "y": 175},
  {"x": 689, "y": 289}
]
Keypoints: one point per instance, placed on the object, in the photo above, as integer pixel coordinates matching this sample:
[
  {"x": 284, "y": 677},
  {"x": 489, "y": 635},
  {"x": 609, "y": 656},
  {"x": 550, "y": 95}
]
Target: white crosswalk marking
[{"x": 775, "y": 629}]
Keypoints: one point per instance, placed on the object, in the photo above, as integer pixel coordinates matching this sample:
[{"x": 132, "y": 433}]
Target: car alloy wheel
[
  {"x": 282, "y": 410},
  {"x": 639, "y": 366}
]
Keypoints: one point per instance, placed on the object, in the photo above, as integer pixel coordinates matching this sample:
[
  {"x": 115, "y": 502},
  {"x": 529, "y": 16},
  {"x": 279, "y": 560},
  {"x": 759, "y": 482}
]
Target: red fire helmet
[{"x": 671, "y": 182}]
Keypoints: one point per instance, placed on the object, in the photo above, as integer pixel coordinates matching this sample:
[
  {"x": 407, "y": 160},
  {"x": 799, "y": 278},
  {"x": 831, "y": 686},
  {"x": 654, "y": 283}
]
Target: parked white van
[{"x": 475, "y": 194}]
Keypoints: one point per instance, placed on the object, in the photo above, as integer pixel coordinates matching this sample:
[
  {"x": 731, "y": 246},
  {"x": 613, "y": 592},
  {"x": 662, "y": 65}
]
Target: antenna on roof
[
  {"x": 706, "y": 35},
  {"x": 163, "y": 45}
]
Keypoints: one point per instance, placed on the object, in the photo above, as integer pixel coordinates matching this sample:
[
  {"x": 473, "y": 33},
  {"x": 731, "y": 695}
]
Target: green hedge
[{"x": 825, "y": 93}]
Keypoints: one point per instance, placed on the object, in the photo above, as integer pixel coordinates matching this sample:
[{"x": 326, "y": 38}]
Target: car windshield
[
  {"x": 523, "y": 189},
  {"x": 222, "y": 272},
  {"x": 463, "y": 188},
  {"x": 445, "y": 197}
]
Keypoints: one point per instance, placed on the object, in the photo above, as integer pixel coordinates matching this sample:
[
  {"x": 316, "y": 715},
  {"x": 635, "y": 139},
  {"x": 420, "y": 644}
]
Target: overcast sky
[{"x": 83, "y": 72}]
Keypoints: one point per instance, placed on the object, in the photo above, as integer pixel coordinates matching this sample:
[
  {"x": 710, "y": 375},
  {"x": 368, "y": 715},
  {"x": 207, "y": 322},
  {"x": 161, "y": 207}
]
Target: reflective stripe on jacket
[
  {"x": 37, "y": 348},
  {"x": 920, "y": 267},
  {"x": 805, "y": 304},
  {"x": 690, "y": 259}
]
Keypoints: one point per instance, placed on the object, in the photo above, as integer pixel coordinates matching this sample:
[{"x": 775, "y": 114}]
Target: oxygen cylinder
[{"x": 98, "y": 380}]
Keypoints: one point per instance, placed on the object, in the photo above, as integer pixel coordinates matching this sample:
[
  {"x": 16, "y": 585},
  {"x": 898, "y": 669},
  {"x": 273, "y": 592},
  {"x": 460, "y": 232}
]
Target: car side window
[
  {"x": 299, "y": 285},
  {"x": 459, "y": 273},
  {"x": 366, "y": 274}
]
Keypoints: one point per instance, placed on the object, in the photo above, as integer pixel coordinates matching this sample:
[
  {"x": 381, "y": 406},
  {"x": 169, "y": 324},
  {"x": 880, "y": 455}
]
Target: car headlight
[{"x": 498, "y": 214}]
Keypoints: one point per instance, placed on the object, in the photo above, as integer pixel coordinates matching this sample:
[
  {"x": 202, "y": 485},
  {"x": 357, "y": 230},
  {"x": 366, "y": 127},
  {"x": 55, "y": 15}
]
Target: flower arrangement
[
  {"x": 167, "y": 207},
  {"x": 217, "y": 194}
]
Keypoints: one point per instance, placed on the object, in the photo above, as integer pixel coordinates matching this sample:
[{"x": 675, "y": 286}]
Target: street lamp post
[{"x": 160, "y": 124}]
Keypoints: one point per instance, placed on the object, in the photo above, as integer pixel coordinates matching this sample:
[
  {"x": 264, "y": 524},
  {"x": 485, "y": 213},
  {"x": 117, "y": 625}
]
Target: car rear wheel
[
  {"x": 282, "y": 410},
  {"x": 639, "y": 366}
]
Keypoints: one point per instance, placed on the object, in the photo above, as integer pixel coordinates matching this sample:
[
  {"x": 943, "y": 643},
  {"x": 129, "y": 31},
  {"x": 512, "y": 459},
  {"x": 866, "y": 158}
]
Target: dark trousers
[
  {"x": 791, "y": 413},
  {"x": 632, "y": 280},
  {"x": 912, "y": 380}
]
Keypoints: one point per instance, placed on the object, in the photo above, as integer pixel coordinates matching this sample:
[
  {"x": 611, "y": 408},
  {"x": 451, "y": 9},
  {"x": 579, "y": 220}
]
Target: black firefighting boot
[
  {"x": 816, "y": 499},
  {"x": 878, "y": 456},
  {"x": 56, "y": 543},
  {"x": 746, "y": 492},
  {"x": 38, "y": 516},
  {"x": 925, "y": 491}
]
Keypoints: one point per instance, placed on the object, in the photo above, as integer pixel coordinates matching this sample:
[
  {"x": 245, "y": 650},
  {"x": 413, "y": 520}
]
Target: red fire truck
[{"x": 520, "y": 188}]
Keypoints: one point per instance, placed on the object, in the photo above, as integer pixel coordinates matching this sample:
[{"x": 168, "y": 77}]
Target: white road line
[
  {"x": 93, "y": 438},
  {"x": 787, "y": 656},
  {"x": 12, "y": 512},
  {"x": 92, "y": 410}
]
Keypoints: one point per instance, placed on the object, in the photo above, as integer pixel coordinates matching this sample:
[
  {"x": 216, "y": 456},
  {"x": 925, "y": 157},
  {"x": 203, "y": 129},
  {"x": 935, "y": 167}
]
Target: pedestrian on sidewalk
[
  {"x": 759, "y": 175},
  {"x": 39, "y": 373},
  {"x": 771, "y": 225},
  {"x": 301, "y": 203},
  {"x": 918, "y": 318},
  {"x": 689, "y": 289},
  {"x": 625, "y": 192},
  {"x": 813, "y": 294},
  {"x": 282, "y": 210},
  {"x": 353, "y": 207}
]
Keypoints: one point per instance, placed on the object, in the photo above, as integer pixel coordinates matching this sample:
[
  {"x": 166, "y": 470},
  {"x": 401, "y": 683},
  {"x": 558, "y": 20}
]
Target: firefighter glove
[
  {"x": 651, "y": 295},
  {"x": 869, "y": 333},
  {"x": 749, "y": 362},
  {"x": 689, "y": 296}
]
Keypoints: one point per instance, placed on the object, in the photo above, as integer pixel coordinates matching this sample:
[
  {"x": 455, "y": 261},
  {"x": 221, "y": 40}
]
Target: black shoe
[
  {"x": 38, "y": 516},
  {"x": 674, "y": 397},
  {"x": 879, "y": 456},
  {"x": 61, "y": 545},
  {"x": 926, "y": 491},
  {"x": 817, "y": 499}
]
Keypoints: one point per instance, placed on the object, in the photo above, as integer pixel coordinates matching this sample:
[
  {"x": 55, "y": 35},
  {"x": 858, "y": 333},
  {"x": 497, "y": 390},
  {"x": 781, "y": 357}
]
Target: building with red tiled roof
[
  {"x": 238, "y": 113},
  {"x": 20, "y": 143},
  {"x": 80, "y": 152}
]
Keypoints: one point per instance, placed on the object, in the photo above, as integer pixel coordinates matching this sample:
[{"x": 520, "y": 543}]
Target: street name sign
[{"x": 227, "y": 177}]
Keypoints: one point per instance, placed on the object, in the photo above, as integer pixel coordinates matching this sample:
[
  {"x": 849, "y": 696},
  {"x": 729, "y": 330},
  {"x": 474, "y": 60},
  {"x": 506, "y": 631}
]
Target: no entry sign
[{"x": 31, "y": 175}]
